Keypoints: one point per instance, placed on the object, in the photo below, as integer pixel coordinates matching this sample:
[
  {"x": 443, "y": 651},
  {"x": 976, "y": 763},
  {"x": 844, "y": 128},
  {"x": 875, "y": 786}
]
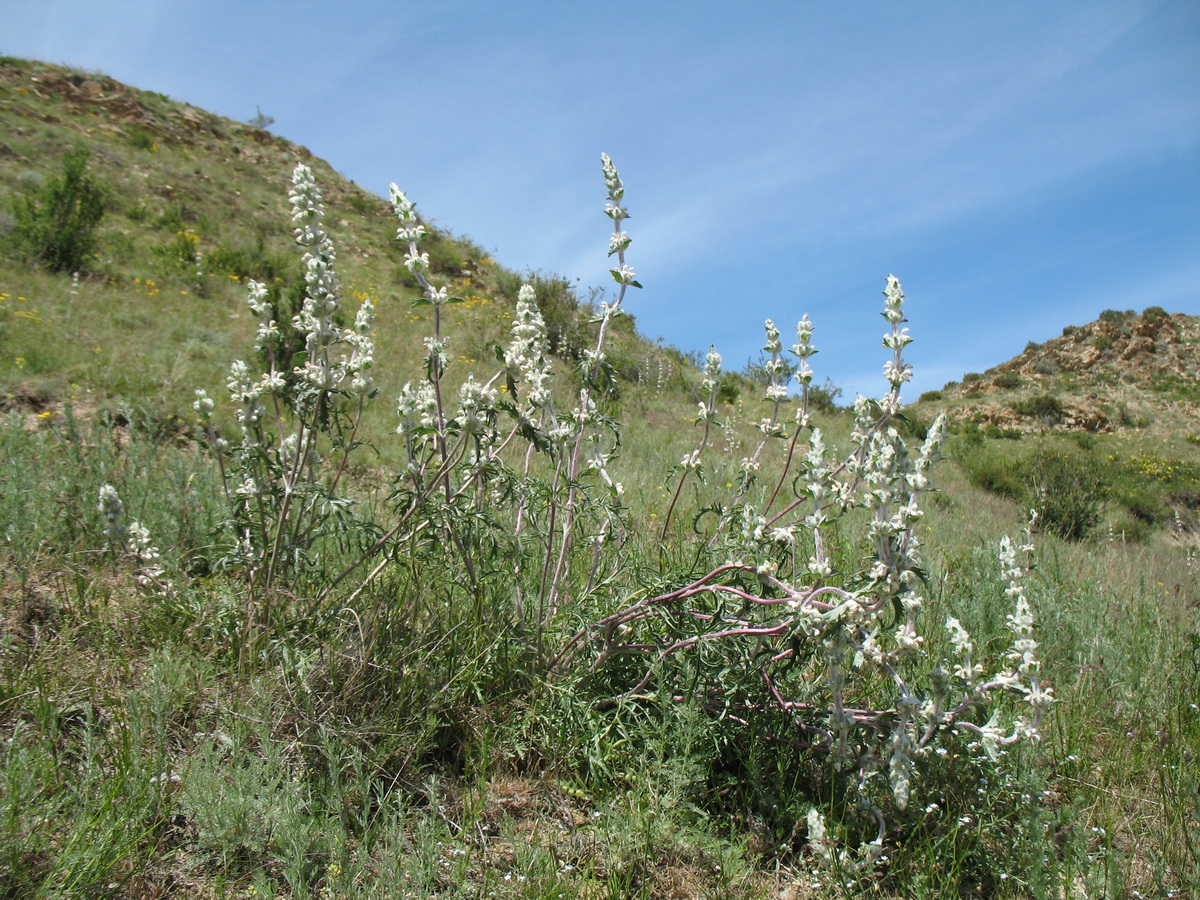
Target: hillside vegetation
[{"x": 366, "y": 567}]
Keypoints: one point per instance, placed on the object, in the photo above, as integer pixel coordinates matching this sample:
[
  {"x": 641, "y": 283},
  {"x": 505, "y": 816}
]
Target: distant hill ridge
[{"x": 1121, "y": 370}]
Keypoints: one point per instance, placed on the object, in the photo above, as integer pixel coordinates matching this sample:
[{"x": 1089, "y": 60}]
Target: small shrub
[
  {"x": 1045, "y": 407},
  {"x": 995, "y": 432},
  {"x": 949, "y": 385},
  {"x": 1085, "y": 440},
  {"x": 260, "y": 121},
  {"x": 930, "y": 396},
  {"x": 244, "y": 262},
  {"x": 1127, "y": 419},
  {"x": 824, "y": 397},
  {"x": 1115, "y": 315},
  {"x": 1102, "y": 342},
  {"x": 1154, "y": 315},
  {"x": 57, "y": 228},
  {"x": 141, "y": 138},
  {"x": 1070, "y": 330},
  {"x": 1067, "y": 490},
  {"x": 1144, "y": 503},
  {"x": 1007, "y": 380},
  {"x": 1032, "y": 347},
  {"x": 1045, "y": 366},
  {"x": 971, "y": 378}
]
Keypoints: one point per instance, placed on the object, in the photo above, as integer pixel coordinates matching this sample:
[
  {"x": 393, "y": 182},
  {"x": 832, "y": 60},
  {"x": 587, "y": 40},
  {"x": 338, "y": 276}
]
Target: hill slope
[{"x": 197, "y": 204}]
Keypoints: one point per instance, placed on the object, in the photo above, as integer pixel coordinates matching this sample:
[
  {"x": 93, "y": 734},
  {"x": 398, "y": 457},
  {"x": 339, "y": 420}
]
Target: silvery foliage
[{"x": 792, "y": 616}]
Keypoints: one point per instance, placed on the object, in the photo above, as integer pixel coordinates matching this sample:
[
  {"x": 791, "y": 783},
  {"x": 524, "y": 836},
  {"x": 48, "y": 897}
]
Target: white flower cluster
[
  {"x": 133, "y": 539},
  {"x": 322, "y": 299},
  {"x": 895, "y": 371},
  {"x": 324, "y": 288},
  {"x": 526, "y": 354},
  {"x": 777, "y": 391},
  {"x": 803, "y": 349},
  {"x": 268, "y": 333}
]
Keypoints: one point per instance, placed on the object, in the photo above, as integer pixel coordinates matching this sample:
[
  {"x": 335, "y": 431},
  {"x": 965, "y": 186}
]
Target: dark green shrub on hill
[
  {"x": 1045, "y": 407},
  {"x": 1066, "y": 489},
  {"x": 1007, "y": 380},
  {"x": 57, "y": 227},
  {"x": 823, "y": 397}
]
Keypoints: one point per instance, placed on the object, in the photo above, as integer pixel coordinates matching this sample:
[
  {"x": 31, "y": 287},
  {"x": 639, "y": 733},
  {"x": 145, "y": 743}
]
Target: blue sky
[{"x": 1020, "y": 166}]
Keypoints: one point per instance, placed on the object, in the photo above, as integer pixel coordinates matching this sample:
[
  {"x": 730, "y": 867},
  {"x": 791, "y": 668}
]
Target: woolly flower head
[
  {"x": 306, "y": 203},
  {"x": 404, "y": 208},
  {"x": 893, "y": 301},
  {"x": 803, "y": 347},
  {"x": 113, "y": 510},
  {"x": 417, "y": 408},
  {"x": 712, "y": 368},
  {"x": 612, "y": 180},
  {"x": 476, "y": 405},
  {"x": 203, "y": 404},
  {"x": 773, "y": 346}
]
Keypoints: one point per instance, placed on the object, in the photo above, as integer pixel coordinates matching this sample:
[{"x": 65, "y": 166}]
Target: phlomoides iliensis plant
[
  {"x": 299, "y": 425},
  {"x": 836, "y": 649}
]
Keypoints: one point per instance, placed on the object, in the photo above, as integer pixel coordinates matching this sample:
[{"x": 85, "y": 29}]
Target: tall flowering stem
[
  {"x": 706, "y": 415},
  {"x": 594, "y": 360}
]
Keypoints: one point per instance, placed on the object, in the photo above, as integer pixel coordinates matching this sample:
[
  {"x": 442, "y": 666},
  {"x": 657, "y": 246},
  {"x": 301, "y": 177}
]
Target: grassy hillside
[{"x": 638, "y": 637}]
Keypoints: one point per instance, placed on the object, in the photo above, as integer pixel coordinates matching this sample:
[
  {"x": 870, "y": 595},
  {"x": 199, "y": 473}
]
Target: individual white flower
[
  {"x": 618, "y": 242},
  {"x": 203, "y": 404},
  {"x": 416, "y": 262}
]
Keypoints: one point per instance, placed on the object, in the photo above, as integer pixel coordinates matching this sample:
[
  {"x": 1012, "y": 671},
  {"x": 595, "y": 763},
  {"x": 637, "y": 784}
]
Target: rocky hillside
[{"x": 1122, "y": 371}]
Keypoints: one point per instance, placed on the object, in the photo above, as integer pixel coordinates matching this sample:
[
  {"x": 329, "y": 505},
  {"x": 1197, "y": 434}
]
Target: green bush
[
  {"x": 57, "y": 228},
  {"x": 1007, "y": 380},
  {"x": 1045, "y": 407},
  {"x": 141, "y": 137},
  {"x": 995, "y": 432},
  {"x": 1103, "y": 342},
  {"x": 824, "y": 397},
  {"x": 1154, "y": 314},
  {"x": 930, "y": 396},
  {"x": 1116, "y": 315},
  {"x": 971, "y": 378},
  {"x": 1066, "y": 489}
]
